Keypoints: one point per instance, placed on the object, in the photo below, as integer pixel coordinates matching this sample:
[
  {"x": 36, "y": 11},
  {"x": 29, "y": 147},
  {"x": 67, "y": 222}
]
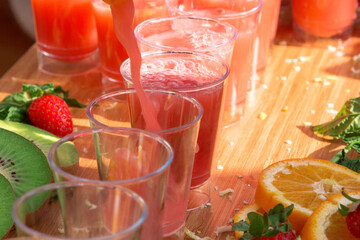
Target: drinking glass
[
  {"x": 244, "y": 16},
  {"x": 66, "y": 36},
  {"x": 202, "y": 77},
  {"x": 179, "y": 118},
  {"x": 112, "y": 53},
  {"x": 73, "y": 210},
  {"x": 185, "y": 33},
  {"x": 316, "y": 20},
  {"x": 133, "y": 158}
]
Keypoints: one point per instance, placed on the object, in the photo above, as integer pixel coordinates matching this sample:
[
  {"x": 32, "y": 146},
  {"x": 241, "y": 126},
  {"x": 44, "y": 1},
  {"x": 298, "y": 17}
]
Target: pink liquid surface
[{"x": 65, "y": 29}]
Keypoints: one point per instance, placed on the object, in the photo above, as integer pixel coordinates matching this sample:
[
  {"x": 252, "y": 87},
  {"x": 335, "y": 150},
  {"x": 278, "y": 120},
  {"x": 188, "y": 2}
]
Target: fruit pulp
[
  {"x": 324, "y": 18},
  {"x": 65, "y": 30}
]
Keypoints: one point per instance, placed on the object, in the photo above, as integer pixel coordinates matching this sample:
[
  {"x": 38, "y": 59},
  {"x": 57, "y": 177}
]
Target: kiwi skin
[
  {"x": 43, "y": 140},
  {"x": 7, "y": 199},
  {"x": 23, "y": 164}
]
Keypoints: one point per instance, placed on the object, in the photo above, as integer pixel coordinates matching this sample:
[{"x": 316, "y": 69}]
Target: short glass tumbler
[
  {"x": 133, "y": 158},
  {"x": 179, "y": 118},
  {"x": 73, "y": 210}
]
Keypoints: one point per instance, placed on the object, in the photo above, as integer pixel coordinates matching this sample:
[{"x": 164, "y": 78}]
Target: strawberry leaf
[
  {"x": 241, "y": 226},
  {"x": 257, "y": 224}
]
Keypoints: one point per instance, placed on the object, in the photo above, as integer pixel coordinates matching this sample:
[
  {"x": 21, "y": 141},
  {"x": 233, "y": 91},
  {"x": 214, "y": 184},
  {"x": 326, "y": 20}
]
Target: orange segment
[
  {"x": 304, "y": 182},
  {"x": 242, "y": 215},
  {"x": 326, "y": 223}
]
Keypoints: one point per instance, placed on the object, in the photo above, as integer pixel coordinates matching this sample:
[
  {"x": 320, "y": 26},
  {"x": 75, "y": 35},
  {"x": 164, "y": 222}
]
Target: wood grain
[{"x": 311, "y": 80}]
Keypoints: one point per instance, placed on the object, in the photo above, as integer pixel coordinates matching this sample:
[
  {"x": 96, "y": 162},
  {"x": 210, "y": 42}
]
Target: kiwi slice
[
  {"x": 7, "y": 199},
  {"x": 43, "y": 140},
  {"x": 23, "y": 164}
]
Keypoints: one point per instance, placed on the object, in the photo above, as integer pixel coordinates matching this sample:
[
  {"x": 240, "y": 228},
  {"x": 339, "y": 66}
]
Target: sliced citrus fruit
[
  {"x": 242, "y": 215},
  {"x": 326, "y": 223},
  {"x": 304, "y": 182}
]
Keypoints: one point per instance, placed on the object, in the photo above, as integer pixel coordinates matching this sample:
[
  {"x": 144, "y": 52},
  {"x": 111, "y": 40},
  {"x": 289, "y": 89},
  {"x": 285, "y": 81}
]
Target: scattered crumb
[
  {"x": 284, "y": 78},
  {"x": 331, "y": 48},
  {"x": 222, "y": 229},
  {"x": 313, "y": 111},
  {"x": 322, "y": 197},
  {"x": 297, "y": 68},
  {"x": 232, "y": 143},
  {"x": 330, "y": 105},
  {"x": 227, "y": 193},
  {"x": 308, "y": 124},
  {"x": 264, "y": 86},
  {"x": 231, "y": 220},
  {"x": 239, "y": 176},
  {"x": 347, "y": 90},
  {"x": 282, "y": 43},
  {"x": 91, "y": 205},
  {"x": 354, "y": 70},
  {"x": 356, "y": 57},
  {"x": 216, "y": 188},
  {"x": 339, "y": 53},
  {"x": 208, "y": 204},
  {"x": 289, "y": 149},
  {"x": 193, "y": 236},
  {"x": 219, "y": 167},
  {"x": 262, "y": 116},
  {"x": 304, "y": 59},
  {"x": 285, "y": 109},
  {"x": 288, "y": 142},
  {"x": 245, "y": 202},
  {"x": 331, "y": 111},
  {"x": 237, "y": 209},
  {"x": 85, "y": 150}
]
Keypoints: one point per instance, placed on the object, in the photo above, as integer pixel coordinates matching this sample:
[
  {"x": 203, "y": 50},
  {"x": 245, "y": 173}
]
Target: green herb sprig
[
  {"x": 345, "y": 126},
  {"x": 268, "y": 225}
]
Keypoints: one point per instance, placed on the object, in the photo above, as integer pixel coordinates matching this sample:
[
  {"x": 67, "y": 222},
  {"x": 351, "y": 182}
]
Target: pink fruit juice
[
  {"x": 201, "y": 77},
  {"x": 324, "y": 18},
  {"x": 65, "y": 29},
  {"x": 112, "y": 52}
]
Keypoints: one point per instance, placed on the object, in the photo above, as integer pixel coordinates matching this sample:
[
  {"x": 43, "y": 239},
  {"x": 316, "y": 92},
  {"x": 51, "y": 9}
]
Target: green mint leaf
[
  {"x": 73, "y": 103},
  {"x": 341, "y": 158},
  {"x": 347, "y": 121},
  {"x": 241, "y": 226},
  {"x": 271, "y": 233},
  {"x": 285, "y": 228},
  {"x": 343, "y": 210},
  {"x": 246, "y": 236},
  {"x": 256, "y": 224},
  {"x": 289, "y": 209},
  {"x": 275, "y": 219}
]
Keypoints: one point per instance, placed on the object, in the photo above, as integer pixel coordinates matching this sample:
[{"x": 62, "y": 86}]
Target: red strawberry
[
  {"x": 281, "y": 236},
  {"x": 52, "y": 114},
  {"x": 352, "y": 217}
]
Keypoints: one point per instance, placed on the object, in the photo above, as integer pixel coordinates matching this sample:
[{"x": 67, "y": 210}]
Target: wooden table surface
[{"x": 311, "y": 80}]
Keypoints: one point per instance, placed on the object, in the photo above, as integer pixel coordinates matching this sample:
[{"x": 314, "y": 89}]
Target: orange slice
[
  {"x": 304, "y": 182},
  {"x": 326, "y": 223},
  {"x": 242, "y": 215}
]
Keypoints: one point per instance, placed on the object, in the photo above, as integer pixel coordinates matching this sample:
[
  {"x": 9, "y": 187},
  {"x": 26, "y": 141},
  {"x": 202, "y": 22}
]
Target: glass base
[
  {"x": 233, "y": 115},
  {"x": 54, "y": 66},
  {"x": 178, "y": 235},
  {"x": 199, "y": 197},
  {"x": 304, "y": 37}
]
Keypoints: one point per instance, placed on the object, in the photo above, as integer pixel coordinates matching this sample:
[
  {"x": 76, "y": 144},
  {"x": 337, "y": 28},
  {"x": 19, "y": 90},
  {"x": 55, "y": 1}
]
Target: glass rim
[
  {"x": 200, "y": 87},
  {"x": 247, "y": 13},
  {"x": 98, "y": 99},
  {"x": 121, "y": 130},
  {"x": 69, "y": 184},
  {"x": 165, "y": 19}
]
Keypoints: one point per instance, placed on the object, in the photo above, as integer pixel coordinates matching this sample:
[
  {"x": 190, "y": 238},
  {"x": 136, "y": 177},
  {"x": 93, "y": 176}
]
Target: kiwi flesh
[
  {"x": 7, "y": 199},
  {"x": 43, "y": 140},
  {"x": 23, "y": 164}
]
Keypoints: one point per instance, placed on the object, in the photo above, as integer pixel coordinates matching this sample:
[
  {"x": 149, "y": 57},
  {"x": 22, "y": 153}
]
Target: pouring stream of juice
[{"x": 123, "y": 14}]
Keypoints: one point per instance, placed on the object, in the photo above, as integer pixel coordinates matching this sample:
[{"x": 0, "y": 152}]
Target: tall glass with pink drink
[
  {"x": 202, "y": 77},
  {"x": 244, "y": 15},
  {"x": 65, "y": 35},
  {"x": 112, "y": 52}
]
